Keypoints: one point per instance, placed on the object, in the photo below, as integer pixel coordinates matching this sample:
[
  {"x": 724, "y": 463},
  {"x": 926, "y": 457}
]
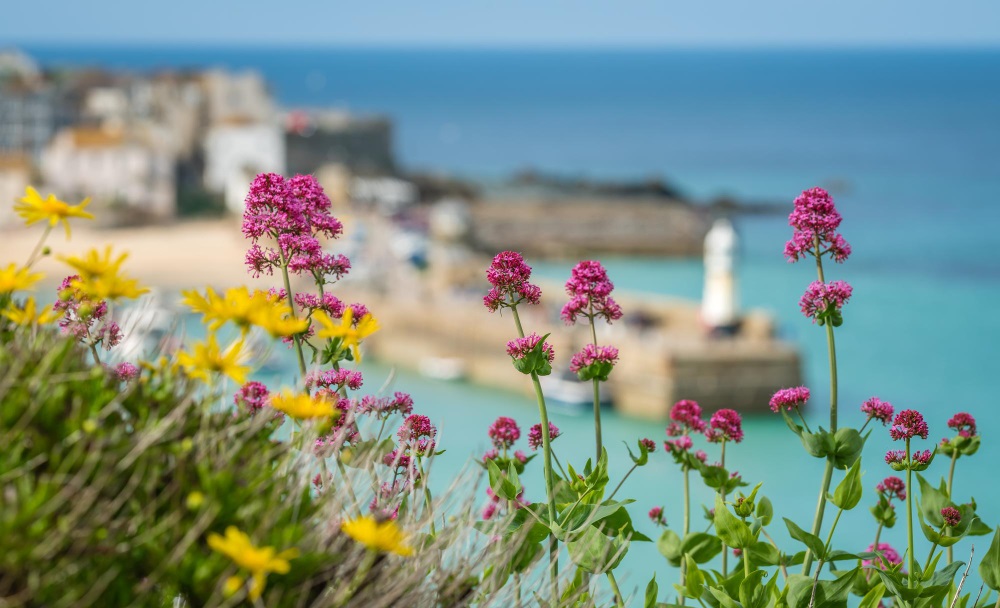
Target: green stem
[
  {"x": 428, "y": 502},
  {"x": 687, "y": 525},
  {"x": 951, "y": 477},
  {"x": 547, "y": 462},
  {"x": 38, "y": 248},
  {"x": 828, "y": 473},
  {"x": 909, "y": 515},
  {"x": 348, "y": 485},
  {"x": 619, "y": 600},
  {"x": 931, "y": 554},
  {"x": 746, "y": 563},
  {"x": 784, "y": 570},
  {"x": 291, "y": 306},
  {"x": 878, "y": 534},
  {"x": 725, "y": 549},
  {"x": 619, "y": 486},
  {"x": 597, "y": 392}
]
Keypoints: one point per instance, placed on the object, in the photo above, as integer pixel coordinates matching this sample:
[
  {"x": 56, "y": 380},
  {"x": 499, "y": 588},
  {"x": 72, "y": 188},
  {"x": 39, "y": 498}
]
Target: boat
[{"x": 568, "y": 393}]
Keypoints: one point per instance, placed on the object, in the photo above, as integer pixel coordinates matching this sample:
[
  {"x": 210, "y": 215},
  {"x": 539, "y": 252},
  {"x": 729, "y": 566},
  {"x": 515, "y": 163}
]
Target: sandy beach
[{"x": 176, "y": 256}]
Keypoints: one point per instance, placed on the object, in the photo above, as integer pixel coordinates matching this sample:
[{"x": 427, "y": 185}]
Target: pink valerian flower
[
  {"x": 385, "y": 503},
  {"x": 125, "y": 371},
  {"x": 83, "y": 318},
  {"x": 737, "y": 552},
  {"x": 876, "y": 409},
  {"x": 823, "y": 298},
  {"x": 681, "y": 444},
  {"x": 725, "y": 425},
  {"x": 535, "y": 435},
  {"x": 687, "y": 413},
  {"x": 815, "y": 220},
  {"x": 921, "y": 458},
  {"x": 701, "y": 455},
  {"x": 593, "y": 354},
  {"x": 892, "y": 487},
  {"x": 889, "y": 556},
  {"x": 383, "y": 407},
  {"x": 491, "y": 454},
  {"x": 358, "y": 312},
  {"x": 253, "y": 396},
  {"x": 416, "y": 426},
  {"x": 294, "y": 213},
  {"x": 489, "y": 511},
  {"x": 895, "y": 457},
  {"x": 789, "y": 398},
  {"x": 656, "y": 516},
  {"x": 649, "y": 444},
  {"x": 590, "y": 294},
  {"x": 908, "y": 424},
  {"x": 329, "y": 303},
  {"x": 964, "y": 423},
  {"x": 952, "y": 516},
  {"x": 521, "y": 457},
  {"x": 519, "y": 348},
  {"x": 504, "y": 432},
  {"x": 508, "y": 275},
  {"x": 334, "y": 379}
]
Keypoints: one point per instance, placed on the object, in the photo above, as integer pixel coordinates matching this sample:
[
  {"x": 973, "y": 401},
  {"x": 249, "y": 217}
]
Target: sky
[{"x": 505, "y": 23}]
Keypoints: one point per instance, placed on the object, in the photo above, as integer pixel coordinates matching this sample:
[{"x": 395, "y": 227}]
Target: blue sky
[{"x": 526, "y": 23}]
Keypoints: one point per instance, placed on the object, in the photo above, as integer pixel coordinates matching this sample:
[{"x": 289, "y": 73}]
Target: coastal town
[{"x": 167, "y": 158}]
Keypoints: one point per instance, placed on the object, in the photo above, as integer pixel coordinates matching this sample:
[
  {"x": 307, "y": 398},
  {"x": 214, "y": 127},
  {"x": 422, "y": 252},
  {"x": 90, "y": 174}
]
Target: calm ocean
[{"x": 907, "y": 140}]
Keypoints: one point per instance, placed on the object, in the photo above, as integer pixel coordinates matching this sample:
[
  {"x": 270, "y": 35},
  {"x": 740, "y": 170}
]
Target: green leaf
[
  {"x": 701, "y": 546},
  {"x": 932, "y": 500},
  {"x": 811, "y": 541},
  {"x": 652, "y": 589},
  {"x": 725, "y": 600},
  {"x": 765, "y": 511},
  {"x": 819, "y": 444},
  {"x": 848, "y": 444},
  {"x": 763, "y": 554},
  {"x": 595, "y": 552},
  {"x": 848, "y": 492},
  {"x": 730, "y": 529},
  {"x": 502, "y": 485},
  {"x": 752, "y": 593},
  {"x": 643, "y": 456},
  {"x": 873, "y": 598},
  {"x": 989, "y": 568},
  {"x": 669, "y": 546}
]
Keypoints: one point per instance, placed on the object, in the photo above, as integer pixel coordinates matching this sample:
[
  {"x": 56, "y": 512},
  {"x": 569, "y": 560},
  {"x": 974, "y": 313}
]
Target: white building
[
  {"x": 720, "y": 307},
  {"x": 123, "y": 170},
  {"x": 235, "y": 151}
]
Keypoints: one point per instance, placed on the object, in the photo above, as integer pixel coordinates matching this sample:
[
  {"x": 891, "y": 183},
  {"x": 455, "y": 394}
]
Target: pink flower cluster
[
  {"x": 889, "y": 556},
  {"x": 398, "y": 403},
  {"x": 686, "y": 417},
  {"x": 334, "y": 379},
  {"x": 892, "y": 487},
  {"x": 416, "y": 435},
  {"x": 952, "y": 516},
  {"x": 789, "y": 398},
  {"x": 908, "y": 424},
  {"x": 593, "y": 354},
  {"x": 294, "y": 212},
  {"x": 649, "y": 444},
  {"x": 508, "y": 275},
  {"x": 656, "y": 516},
  {"x": 876, "y": 409},
  {"x": 328, "y": 303},
  {"x": 590, "y": 294},
  {"x": 815, "y": 220},
  {"x": 897, "y": 459},
  {"x": 725, "y": 425},
  {"x": 535, "y": 435},
  {"x": 520, "y": 347},
  {"x": 822, "y": 298},
  {"x": 125, "y": 371},
  {"x": 504, "y": 432},
  {"x": 252, "y": 396},
  {"x": 964, "y": 423},
  {"x": 83, "y": 318}
]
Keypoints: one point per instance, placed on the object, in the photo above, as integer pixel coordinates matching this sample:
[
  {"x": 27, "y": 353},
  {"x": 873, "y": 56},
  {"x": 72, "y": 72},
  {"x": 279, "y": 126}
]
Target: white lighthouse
[{"x": 720, "y": 303}]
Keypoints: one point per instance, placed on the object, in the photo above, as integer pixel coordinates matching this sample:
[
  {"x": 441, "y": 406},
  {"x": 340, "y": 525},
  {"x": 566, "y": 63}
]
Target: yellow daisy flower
[
  {"x": 29, "y": 314},
  {"x": 245, "y": 309},
  {"x": 301, "y": 406},
  {"x": 385, "y": 536},
  {"x": 350, "y": 336},
  {"x": 15, "y": 278},
  {"x": 101, "y": 277},
  {"x": 259, "y": 561},
  {"x": 33, "y": 208},
  {"x": 208, "y": 357}
]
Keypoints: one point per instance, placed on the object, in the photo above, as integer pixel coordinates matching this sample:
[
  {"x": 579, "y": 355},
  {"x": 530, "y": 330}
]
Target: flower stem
[
  {"x": 951, "y": 477},
  {"x": 909, "y": 516},
  {"x": 38, "y": 248},
  {"x": 828, "y": 473},
  {"x": 428, "y": 502},
  {"x": 878, "y": 534},
  {"x": 619, "y": 601},
  {"x": 687, "y": 525},
  {"x": 620, "y": 483},
  {"x": 597, "y": 391},
  {"x": 725, "y": 550},
  {"x": 547, "y": 462},
  {"x": 291, "y": 306}
]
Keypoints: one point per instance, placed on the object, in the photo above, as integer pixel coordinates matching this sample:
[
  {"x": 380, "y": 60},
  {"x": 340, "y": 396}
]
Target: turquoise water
[{"x": 909, "y": 137}]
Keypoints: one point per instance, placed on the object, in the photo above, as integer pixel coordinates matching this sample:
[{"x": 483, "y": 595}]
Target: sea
[{"x": 907, "y": 141}]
